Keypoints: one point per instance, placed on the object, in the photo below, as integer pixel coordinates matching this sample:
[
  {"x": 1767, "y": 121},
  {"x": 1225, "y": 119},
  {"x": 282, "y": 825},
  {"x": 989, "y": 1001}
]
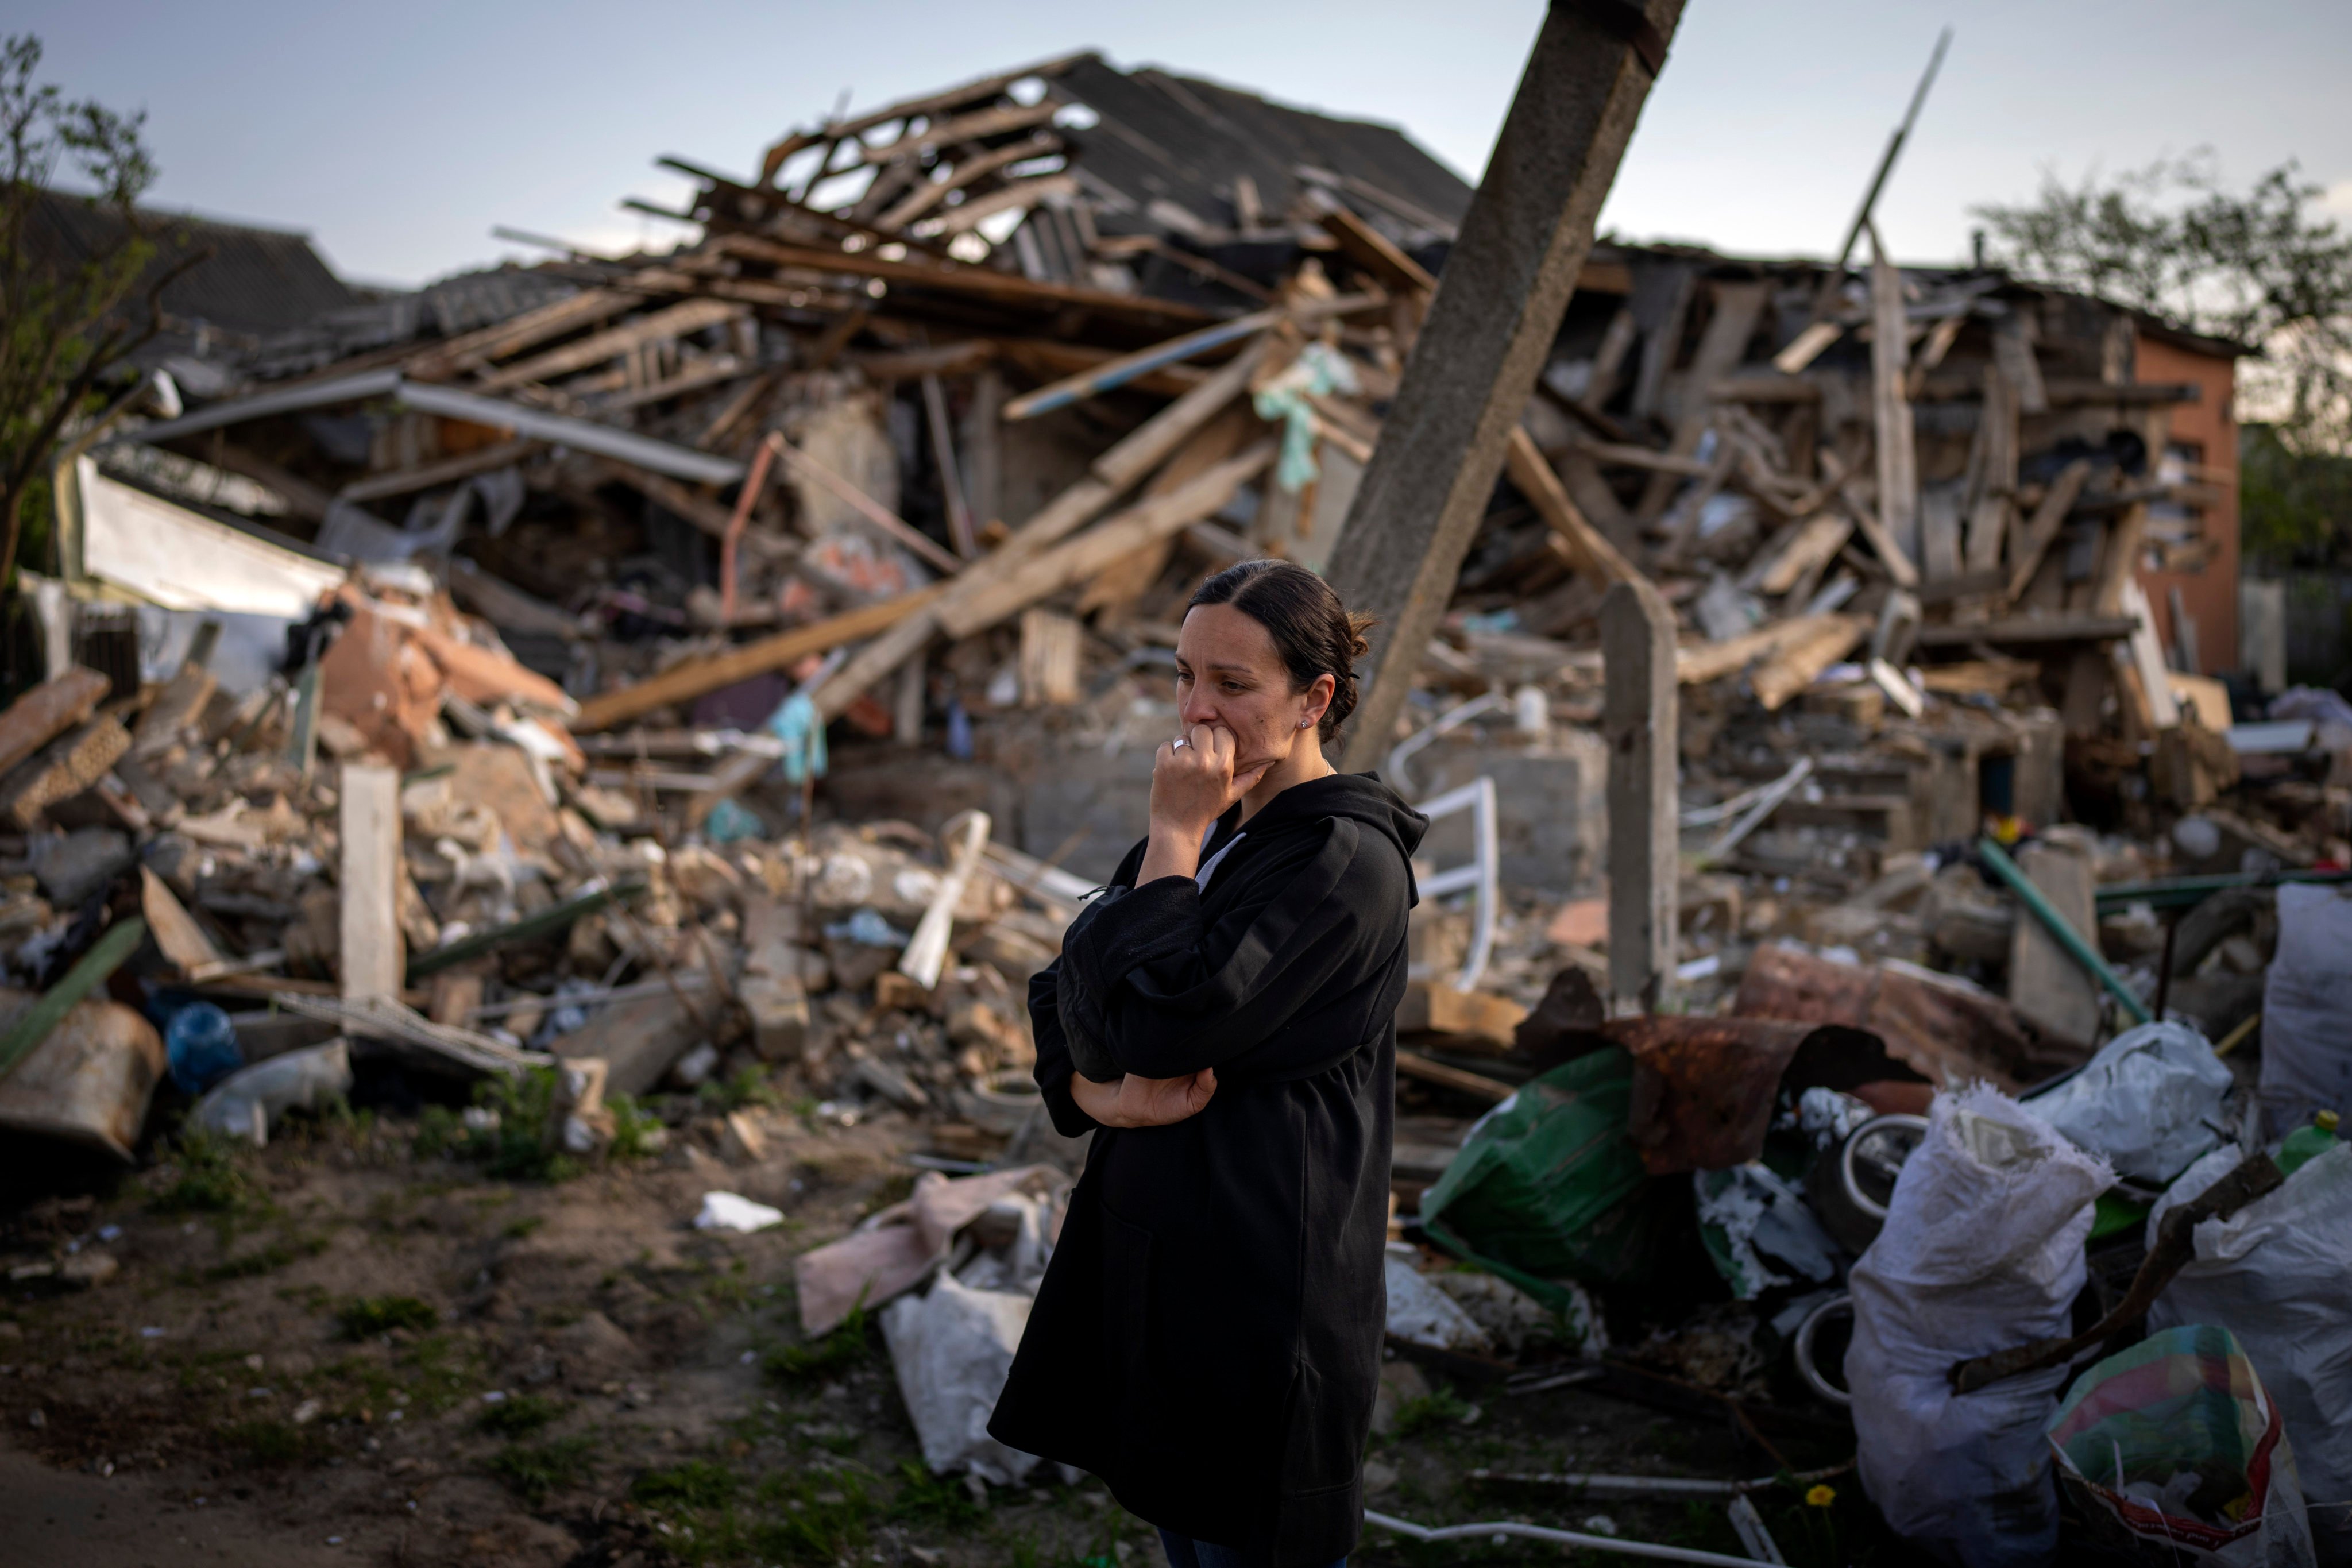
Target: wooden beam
[
  {"x": 943, "y": 134},
  {"x": 1127, "y": 461},
  {"x": 1721, "y": 347},
  {"x": 425, "y": 476},
  {"x": 475, "y": 349},
  {"x": 1534, "y": 478},
  {"x": 968, "y": 171},
  {"x": 48, "y": 711},
  {"x": 982, "y": 283},
  {"x": 1639, "y": 723},
  {"x": 675, "y": 322},
  {"x": 1898, "y": 509},
  {"x": 685, "y": 683},
  {"x": 1107, "y": 542},
  {"x": 368, "y": 818},
  {"x": 2042, "y": 531}
]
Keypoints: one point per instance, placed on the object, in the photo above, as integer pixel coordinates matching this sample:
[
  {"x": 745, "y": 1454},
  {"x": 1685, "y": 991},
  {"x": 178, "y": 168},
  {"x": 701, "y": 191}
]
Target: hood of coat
[{"x": 1362, "y": 797}]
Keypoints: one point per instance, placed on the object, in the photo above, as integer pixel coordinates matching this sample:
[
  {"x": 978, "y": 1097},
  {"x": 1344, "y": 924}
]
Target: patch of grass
[
  {"x": 272, "y": 1443},
  {"x": 748, "y": 1086},
  {"x": 210, "y": 1176},
  {"x": 516, "y": 1230},
  {"x": 926, "y": 1498},
  {"x": 367, "y": 1316},
  {"x": 697, "y": 1483},
  {"x": 534, "y": 1470},
  {"x": 263, "y": 1260},
  {"x": 512, "y": 1147},
  {"x": 636, "y": 1131},
  {"x": 520, "y": 1415},
  {"x": 1439, "y": 1408},
  {"x": 848, "y": 1346}
]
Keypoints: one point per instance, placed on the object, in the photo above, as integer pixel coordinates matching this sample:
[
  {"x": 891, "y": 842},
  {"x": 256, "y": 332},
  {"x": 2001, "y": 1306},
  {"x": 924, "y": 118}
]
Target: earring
[{"x": 1304, "y": 722}]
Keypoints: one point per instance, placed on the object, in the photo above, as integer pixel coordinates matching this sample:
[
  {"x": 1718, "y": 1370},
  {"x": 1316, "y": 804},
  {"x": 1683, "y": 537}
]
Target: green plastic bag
[{"x": 1549, "y": 1186}]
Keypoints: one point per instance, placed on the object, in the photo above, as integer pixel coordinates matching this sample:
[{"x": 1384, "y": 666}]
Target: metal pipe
[
  {"x": 2061, "y": 928},
  {"x": 1561, "y": 1537}
]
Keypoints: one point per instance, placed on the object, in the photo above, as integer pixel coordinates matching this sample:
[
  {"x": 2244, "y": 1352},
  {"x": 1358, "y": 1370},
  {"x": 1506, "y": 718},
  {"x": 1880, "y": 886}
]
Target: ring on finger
[{"x": 1178, "y": 744}]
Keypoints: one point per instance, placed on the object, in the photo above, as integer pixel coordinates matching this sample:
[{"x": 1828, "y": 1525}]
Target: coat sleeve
[
  {"x": 1054, "y": 1068},
  {"x": 1165, "y": 992}
]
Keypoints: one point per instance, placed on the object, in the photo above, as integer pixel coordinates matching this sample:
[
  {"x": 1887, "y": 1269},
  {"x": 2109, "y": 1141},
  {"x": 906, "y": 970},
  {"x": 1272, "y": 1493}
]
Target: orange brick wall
[{"x": 2209, "y": 595}]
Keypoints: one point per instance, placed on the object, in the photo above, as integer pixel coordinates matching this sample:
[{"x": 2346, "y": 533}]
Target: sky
[{"x": 398, "y": 136}]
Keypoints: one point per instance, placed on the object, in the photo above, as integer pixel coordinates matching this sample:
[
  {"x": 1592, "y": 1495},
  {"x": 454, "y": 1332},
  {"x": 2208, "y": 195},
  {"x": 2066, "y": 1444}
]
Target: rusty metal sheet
[
  {"x": 88, "y": 1082},
  {"x": 1948, "y": 1033},
  {"x": 1704, "y": 1087}
]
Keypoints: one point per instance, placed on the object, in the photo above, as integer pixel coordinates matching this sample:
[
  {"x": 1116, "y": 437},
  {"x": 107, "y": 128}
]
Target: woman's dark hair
[{"x": 1312, "y": 631}]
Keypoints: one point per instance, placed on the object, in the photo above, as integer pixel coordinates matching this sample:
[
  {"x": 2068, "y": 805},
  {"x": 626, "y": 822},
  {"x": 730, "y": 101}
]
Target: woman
[{"x": 1223, "y": 1017}]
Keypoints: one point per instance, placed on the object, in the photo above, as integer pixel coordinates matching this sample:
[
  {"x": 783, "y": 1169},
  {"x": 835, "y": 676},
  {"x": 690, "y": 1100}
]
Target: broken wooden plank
[
  {"x": 1796, "y": 663},
  {"x": 674, "y": 321},
  {"x": 67, "y": 766},
  {"x": 368, "y": 880},
  {"x": 1096, "y": 547},
  {"x": 1698, "y": 663},
  {"x": 48, "y": 711},
  {"x": 1814, "y": 544},
  {"x": 1431, "y": 1008},
  {"x": 1413, "y": 1064},
  {"x": 968, "y": 171},
  {"x": 1127, "y": 461},
  {"x": 1721, "y": 347},
  {"x": 686, "y": 681},
  {"x": 1895, "y": 437},
  {"x": 425, "y": 476},
  {"x": 2023, "y": 631},
  {"x": 2042, "y": 531},
  {"x": 983, "y": 282},
  {"x": 1534, "y": 479}
]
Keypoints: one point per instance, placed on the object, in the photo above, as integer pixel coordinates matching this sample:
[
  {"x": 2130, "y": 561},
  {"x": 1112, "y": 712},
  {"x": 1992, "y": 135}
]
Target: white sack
[
  {"x": 1982, "y": 1251},
  {"x": 2307, "y": 1009},
  {"x": 2150, "y": 1101},
  {"x": 243, "y": 1104},
  {"x": 951, "y": 1350},
  {"x": 2278, "y": 1274}
]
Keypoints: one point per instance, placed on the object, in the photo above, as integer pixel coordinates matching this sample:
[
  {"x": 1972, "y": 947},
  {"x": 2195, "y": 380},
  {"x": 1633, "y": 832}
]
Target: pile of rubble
[{"x": 738, "y": 661}]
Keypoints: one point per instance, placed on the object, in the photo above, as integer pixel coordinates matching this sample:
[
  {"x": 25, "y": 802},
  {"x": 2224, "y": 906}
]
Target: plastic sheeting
[{"x": 1982, "y": 1249}]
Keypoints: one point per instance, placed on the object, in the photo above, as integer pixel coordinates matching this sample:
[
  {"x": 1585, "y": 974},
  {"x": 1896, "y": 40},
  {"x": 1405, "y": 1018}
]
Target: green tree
[
  {"x": 2261, "y": 266},
  {"x": 64, "y": 324}
]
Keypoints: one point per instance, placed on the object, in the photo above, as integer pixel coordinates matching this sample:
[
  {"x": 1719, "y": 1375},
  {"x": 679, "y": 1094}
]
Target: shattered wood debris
[{"x": 737, "y": 665}]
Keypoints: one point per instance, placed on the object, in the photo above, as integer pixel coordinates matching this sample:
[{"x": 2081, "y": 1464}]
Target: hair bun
[{"x": 1313, "y": 632}]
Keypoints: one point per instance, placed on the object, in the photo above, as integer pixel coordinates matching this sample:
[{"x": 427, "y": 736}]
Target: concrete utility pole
[
  {"x": 1506, "y": 282},
  {"x": 1639, "y": 720}
]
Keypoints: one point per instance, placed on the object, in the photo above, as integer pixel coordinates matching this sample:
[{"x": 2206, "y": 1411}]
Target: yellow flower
[{"x": 1821, "y": 1497}]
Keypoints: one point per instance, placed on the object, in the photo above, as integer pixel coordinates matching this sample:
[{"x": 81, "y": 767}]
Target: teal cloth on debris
[
  {"x": 802, "y": 730},
  {"x": 1317, "y": 370},
  {"x": 1550, "y": 1187}
]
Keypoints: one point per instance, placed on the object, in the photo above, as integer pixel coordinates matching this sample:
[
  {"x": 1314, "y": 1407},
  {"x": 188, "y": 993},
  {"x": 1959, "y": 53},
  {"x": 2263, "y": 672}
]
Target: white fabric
[
  {"x": 1208, "y": 867},
  {"x": 2278, "y": 1274},
  {"x": 1982, "y": 1249}
]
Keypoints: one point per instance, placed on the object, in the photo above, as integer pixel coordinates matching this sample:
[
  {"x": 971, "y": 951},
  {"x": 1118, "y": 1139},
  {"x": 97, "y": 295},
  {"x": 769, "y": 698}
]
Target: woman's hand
[
  {"x": 1132, "y": 1102},
  {"x": 1193, "y": 785},
  {"x": 1193, "y": 781}
]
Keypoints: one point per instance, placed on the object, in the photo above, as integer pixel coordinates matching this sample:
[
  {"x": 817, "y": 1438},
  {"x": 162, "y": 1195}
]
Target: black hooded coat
[{"x": 1207, "y": 1339}]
